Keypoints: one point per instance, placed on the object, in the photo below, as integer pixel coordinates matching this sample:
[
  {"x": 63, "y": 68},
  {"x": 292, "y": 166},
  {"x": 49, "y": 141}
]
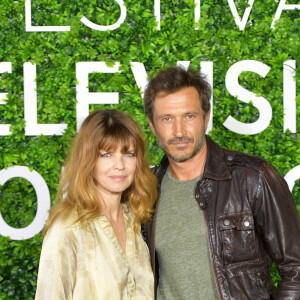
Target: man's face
[{"x": 179, "y": 124}]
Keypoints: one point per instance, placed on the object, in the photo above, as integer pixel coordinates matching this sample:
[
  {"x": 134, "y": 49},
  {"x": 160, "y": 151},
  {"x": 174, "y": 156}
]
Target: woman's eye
[
  {"x": 130, "y": 154},
  {"x": 105, "y": 154}
]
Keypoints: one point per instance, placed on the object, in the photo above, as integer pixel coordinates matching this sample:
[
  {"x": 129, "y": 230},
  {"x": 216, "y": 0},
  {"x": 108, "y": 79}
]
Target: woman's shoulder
[
  {"x": 62, "y": 237},
  {"x": 65, "y": 223}
]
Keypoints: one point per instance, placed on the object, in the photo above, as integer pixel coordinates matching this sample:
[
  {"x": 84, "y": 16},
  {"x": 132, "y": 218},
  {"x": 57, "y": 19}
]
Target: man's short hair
[{"x": 173, "y": 79}]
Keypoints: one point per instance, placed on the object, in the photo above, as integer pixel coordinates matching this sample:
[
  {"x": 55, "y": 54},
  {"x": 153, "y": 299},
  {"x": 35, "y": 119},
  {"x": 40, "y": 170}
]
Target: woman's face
[{"x": 114, "y": 171}]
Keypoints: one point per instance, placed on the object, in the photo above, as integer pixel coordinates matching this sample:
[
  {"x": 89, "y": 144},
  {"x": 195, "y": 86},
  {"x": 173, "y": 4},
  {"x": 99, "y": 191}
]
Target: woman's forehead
[{"x": 118, "y": 144}]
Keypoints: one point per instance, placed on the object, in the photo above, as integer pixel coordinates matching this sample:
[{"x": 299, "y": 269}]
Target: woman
[{"x": 93, "y": 248}]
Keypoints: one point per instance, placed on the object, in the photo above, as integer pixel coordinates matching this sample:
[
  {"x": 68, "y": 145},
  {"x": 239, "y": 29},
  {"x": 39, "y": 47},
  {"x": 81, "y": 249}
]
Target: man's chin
[{"x": 180, "y": 157}]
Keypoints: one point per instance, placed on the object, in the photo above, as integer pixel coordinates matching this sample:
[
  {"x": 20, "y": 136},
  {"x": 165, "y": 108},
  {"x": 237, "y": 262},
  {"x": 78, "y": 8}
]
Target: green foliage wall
[{"x": 218, "y": 39}]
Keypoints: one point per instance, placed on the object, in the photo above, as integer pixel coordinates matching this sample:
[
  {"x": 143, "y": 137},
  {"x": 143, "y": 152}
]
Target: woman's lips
[{"x": 118, "y": 177}]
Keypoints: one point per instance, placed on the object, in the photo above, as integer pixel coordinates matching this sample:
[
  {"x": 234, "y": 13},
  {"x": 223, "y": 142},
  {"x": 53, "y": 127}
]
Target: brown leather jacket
[{"x": 251, "y": 221}]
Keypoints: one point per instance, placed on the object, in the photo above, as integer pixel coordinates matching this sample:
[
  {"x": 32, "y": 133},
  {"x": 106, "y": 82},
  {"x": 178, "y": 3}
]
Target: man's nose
[{"x": 179, "y": 128}]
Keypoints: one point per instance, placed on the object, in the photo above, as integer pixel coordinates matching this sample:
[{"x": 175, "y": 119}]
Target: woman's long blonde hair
[{"x": 104, "y": 129}]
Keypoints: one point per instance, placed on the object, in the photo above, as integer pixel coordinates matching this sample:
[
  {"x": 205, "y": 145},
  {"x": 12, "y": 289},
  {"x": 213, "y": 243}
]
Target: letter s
[
  {"x": 92, "y": 25},
  {"x": 233, "y": 87}
]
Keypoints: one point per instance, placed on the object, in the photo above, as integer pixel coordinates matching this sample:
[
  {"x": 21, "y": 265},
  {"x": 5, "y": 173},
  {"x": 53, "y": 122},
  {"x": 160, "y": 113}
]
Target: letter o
[
  {"x": 292, "y": 176},
  {"x": 43, "y": 203}
]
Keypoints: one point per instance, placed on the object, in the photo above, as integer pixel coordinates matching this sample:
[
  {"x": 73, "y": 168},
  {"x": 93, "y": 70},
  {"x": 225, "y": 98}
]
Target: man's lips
[{"x": 180, "y": 144}]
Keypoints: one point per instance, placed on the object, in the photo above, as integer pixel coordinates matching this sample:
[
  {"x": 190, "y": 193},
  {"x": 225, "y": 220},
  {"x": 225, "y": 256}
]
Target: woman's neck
[{"x": 112, "y": 207}]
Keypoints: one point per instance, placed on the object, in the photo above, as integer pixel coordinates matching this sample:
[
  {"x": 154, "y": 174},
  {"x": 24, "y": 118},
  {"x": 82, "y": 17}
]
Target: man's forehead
[
  {"x": 163, "y": 94},
  {"x": 179, "y": 93},
  {"x": 177, "y": 105}
]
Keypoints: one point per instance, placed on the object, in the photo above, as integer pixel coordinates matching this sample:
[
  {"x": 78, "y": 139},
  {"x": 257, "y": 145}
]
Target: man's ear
[
  {"x": 151, "y": 126},
  {"x": 207, "y": 119}
]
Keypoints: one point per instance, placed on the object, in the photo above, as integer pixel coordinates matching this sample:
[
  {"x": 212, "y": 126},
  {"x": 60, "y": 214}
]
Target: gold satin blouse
[{"x": 81, "y": 265}]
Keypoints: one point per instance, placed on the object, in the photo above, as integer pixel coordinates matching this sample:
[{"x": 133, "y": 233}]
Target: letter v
[{"x": 241, "y": 23}]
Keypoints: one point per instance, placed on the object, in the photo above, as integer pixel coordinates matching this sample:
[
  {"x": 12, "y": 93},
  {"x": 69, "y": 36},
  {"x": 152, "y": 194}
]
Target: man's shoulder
[
  {"x": 153, "y": 169},
  {"x": 160, "y": 170},
  {"x": 241, "y": 159},
  {"x": 235, "y": 158}
]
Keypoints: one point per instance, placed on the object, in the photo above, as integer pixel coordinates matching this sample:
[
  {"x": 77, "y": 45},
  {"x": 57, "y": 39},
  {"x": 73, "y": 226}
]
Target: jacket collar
[{"x": 215, "y": 167}]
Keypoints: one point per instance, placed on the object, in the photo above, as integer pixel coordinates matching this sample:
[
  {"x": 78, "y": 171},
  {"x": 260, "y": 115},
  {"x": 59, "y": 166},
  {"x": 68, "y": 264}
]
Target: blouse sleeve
[{"x": 57, "y": 268}]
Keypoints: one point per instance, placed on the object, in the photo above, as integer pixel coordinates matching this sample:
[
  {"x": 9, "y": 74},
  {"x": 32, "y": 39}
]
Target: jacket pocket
[{"x": 238, "y": 237}]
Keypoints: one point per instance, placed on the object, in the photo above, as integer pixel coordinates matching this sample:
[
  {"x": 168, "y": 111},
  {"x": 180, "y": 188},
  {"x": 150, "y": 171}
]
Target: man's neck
[{"x": 191, "y": 168}]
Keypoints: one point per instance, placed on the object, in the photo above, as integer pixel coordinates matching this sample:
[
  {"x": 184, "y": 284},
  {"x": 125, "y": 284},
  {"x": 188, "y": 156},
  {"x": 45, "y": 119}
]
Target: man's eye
[
  {"x": 166, "y": 119},
  {"x": 190, "y": 116}
]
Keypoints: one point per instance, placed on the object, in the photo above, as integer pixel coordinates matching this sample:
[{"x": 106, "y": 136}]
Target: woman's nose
[{"x": 119, "y": 162}]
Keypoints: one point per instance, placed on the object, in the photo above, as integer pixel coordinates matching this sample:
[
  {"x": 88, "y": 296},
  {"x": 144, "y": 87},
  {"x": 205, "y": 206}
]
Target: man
[{"x": 222, "y": 216}]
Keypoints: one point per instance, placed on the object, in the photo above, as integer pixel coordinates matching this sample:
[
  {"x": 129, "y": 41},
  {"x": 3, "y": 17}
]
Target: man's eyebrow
[
  {"x": 195, "y": 112},
  {"x": 192, "y": 113},
  {"x": 163, "y": 115}
]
